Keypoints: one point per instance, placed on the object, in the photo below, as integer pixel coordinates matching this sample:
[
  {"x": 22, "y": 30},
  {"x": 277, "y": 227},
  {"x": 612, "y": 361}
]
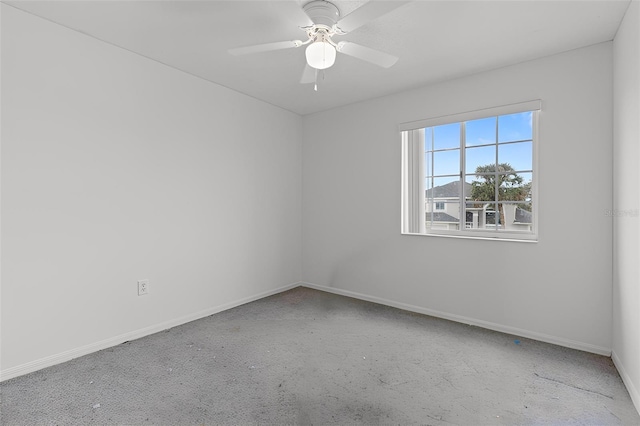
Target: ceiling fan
[{"x": 324, "y": 22}]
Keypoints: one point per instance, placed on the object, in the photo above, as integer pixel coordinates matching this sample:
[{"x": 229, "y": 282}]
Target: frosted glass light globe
[{"x": 320, "y": 55}]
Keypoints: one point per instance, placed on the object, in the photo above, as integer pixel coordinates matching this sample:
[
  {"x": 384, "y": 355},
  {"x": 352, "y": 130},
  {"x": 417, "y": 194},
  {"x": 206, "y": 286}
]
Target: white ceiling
[{"x": 435, "y": 40}]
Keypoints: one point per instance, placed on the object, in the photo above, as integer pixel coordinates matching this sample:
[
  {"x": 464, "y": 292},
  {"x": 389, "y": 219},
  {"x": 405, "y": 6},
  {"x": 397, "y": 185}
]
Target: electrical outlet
[{"x": 143, "y": 287}]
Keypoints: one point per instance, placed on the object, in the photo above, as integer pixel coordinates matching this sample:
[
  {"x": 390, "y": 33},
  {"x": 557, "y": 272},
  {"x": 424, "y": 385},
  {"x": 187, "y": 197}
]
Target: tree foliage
[{"x": 510, "y": 185}]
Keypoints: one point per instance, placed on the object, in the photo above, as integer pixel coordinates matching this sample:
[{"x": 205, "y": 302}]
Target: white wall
[
  {"x": 626, "y": 179},
  {"x": 558, "y": 289},
  {"x": 116, "y": 168}
]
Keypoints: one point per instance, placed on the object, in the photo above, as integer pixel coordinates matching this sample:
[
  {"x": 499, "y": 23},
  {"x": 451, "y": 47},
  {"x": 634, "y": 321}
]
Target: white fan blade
[
  {"x": 367, "y": 54},
  {"x": 368, "y": 12},
  {"x": 267, "y": 47},
  {"x": 308, "y": 75}
]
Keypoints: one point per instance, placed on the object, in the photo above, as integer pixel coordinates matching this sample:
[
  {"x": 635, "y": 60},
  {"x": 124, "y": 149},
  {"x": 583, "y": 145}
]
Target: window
[{"x": 472, "y": 174}]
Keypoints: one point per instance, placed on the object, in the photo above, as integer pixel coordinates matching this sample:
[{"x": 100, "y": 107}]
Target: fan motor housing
[{"x": 322, "y": 12}]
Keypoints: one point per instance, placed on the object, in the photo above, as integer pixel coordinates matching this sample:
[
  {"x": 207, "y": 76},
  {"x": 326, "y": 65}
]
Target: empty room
[{"x": 320, "y": 212}]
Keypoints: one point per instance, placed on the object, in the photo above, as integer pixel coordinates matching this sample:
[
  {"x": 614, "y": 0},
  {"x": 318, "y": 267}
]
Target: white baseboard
[
  {"x": 587, "y": 347},
  {"x": 626, "y": 379},
  {"x": 49, "y": 361}
]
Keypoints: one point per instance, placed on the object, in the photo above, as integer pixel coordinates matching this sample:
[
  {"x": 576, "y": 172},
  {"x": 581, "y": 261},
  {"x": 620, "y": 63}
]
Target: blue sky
[{"x": 514, "y": 127}]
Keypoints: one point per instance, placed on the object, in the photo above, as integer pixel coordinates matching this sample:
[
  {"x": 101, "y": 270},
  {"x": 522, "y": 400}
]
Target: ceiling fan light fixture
[{"x": 320, "y": 55}]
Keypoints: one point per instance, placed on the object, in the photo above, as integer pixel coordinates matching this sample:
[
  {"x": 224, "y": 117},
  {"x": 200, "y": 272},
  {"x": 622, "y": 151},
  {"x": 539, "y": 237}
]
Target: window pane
[
  {"x": 449, "y": 207},
  {"x": 480, "y": 132},
  {"x": 478, "y": 157},
  {"x": 515, "y": 187},
  {"x": 527, "y": 178},
  {"x": 479, "y": 214},
  {"x": 428, "y": 139},
  {"x": 428, "y": 163},
  {"x": 443, "y": 204},
  {"x": 446, "y": 187},
  {"x": 517, "y": 217},
  {"x": 443, "y": 189},
  {"x": 472, "y": 217},
  {"x": 446, "y": 162},
  {"x": 480, "y": 189},
  {"x": 444, "y": 219},
  {"x": 490, "y": 217},
  {"x": 517, "y": 155},
  {"x": 485, "y": 217},
  {"x": 447, "y": 136},
  {"x": 515, "y": 127}
]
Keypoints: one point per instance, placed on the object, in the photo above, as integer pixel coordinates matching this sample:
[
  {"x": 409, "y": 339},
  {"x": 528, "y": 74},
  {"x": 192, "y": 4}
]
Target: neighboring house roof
[
  {"x": 441, "y": 217},
  {"x": 523, "y": 216},
  {"x": 449, "y": 190}
]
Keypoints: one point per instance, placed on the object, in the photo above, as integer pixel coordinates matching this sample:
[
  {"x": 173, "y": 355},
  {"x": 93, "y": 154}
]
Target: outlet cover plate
[{"x": 143, "y": 287}]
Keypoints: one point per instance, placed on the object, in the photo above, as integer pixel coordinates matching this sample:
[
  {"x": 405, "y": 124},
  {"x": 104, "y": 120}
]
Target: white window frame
[{"x": 413, "y": 174}]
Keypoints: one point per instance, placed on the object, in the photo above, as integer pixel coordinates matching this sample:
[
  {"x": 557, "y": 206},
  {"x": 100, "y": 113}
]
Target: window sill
[{"x": 529, "y": 239}]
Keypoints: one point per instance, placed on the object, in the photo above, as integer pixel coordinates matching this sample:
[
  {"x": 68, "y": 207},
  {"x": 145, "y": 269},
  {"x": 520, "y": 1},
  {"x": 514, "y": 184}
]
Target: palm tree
[{"x": 509, "y": 186}]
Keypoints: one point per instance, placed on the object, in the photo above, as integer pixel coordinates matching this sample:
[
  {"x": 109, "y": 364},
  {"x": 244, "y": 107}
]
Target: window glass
[
  {"x": 515, "y": 127},
  {"x": 481, "y": 132},
  {"x": 446, "y": 136},
  {"x": 481, "y": 189},
  {"x": 518, "y": 155},
  {"x": 446, "y": 162},
  {"x": 477, "y": 157}
]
